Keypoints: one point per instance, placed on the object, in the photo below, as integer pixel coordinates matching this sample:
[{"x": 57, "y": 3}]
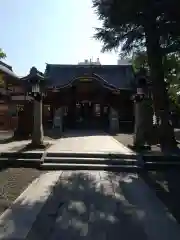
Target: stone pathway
[
  {"x": 17, "y": 221},
  {"x": 88, "y": 142},
  {"x": 103, "y": 206},
  {"x": 88, "y": 204}
]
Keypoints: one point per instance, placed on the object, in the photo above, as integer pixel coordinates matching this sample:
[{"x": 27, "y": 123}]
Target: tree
[
  {"x": 143, "y": 25},
  {"x": 2, "y": 54},
  {"x": 140, "y": 61},
  {"x": 171, "y": 64}
]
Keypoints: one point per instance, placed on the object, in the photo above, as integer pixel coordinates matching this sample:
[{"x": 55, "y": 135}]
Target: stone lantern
[
  {"x": 143, "y": 111},
  {"x": 35, "y": 89},
  {"x": 36, "y": 80}
]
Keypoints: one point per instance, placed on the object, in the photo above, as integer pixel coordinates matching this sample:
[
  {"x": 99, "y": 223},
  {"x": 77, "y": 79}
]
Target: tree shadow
[
  {"x": 82, "y": 206},
  {"x": 6, "y": 140},
  {"x": 6, "y": 137},
  {"x": 83, "y": 133},
  {"x": 166, "y": 186},
  {"x": 177, "y": 134},
  {"x": 53, "y": 133},
  {"x": 126, "y": 128},
  {"x": 154, "y": 216},
  {"x": 3, "y": 167}
]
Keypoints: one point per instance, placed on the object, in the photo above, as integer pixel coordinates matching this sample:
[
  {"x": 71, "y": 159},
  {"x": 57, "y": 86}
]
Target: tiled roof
[
  {"x": 7, "y": 69},
  {"x": 120, "y": 76}
]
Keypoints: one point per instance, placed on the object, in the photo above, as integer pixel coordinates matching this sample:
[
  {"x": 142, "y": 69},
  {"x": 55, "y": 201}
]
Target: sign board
[{"x": 82, "y": 79}]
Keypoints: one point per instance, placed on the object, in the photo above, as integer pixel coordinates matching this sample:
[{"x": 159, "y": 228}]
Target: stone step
[
  {"x": 161, "y": 166},
  {"x": 163, "y": 163},
  {"x": 74, "y": 166},
  {"x": 21, "y": 155},
  {"x": 91, "y": 155},
  {"x": 89, "y": 160},
  {"x": 161, "y": 158},
  {"x": 18, "y": 163}
]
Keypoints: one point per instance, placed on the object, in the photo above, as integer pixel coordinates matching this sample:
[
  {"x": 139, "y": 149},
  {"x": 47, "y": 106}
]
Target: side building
[{"x": 9, "y": 84}]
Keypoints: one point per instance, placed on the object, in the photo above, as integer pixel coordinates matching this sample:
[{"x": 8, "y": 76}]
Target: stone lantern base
[
  {"x": 140, "y": 147},
  {"x": 33, "y": 146}
]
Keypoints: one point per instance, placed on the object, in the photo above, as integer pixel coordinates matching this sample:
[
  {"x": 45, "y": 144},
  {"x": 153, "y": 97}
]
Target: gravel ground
[
  {"x": 13, "y": 181},
  {"x": 124, "y": 138}
]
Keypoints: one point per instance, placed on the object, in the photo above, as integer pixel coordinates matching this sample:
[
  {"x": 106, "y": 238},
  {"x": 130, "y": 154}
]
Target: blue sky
[{"x": 35, "y": 32}]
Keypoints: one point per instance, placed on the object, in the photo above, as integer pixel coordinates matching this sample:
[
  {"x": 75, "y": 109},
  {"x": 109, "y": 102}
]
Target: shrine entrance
[
  {"x": 87, "y": 115},
  {"x": 88, "y": 103}
]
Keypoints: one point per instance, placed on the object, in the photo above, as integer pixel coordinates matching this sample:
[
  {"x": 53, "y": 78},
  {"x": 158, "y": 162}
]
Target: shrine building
[{"x": 81, "y": 96}]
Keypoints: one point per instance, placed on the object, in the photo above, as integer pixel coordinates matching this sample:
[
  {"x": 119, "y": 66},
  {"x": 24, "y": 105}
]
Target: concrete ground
[
  {"x": 88, "y": 142},
  {"x": 103, "y": 205},
  {"x": 126, "y": 138},
  {"x": 5, "y": 134},
  {"x": 164, "y": 183},
  {"x": 88, "y": 204},
  {"x": 14, "y": 146}
]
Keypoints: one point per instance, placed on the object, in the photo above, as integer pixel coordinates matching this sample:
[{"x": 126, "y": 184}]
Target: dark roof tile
[
  {"x": 120, "y": 76},
  {"x": 7, "y": 69}
]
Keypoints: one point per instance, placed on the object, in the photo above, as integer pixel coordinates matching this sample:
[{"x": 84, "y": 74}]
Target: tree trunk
[
  {"x": 139, "y": 125},
  {"x": 143, "y": 123},
  {"x": 37, "y": 135},
  {"x": 160, "y": 96}
]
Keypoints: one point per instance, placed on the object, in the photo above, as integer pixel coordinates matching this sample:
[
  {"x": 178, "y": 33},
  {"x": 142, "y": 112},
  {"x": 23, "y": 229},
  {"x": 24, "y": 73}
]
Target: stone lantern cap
[{"x": 34, "y": 77}]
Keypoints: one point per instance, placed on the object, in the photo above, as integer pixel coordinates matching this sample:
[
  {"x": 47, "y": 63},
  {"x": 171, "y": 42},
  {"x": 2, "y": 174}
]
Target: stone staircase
[{"x": 89, "y": 161}]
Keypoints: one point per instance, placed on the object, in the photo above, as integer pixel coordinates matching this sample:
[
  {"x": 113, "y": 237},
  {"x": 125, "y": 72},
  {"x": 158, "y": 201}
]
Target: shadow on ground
[
  {"x": 6, "y": 136},
  {"x": 177, "y": 134},
  {"x": 84, "y": 133},
  {"x": 166, "y": 183},
  {"x": 166, "y": 186},
  {"x": 109, "y": 207},
  {"x": 53, "y": 133},
  {"x": 82, "y": 207}
]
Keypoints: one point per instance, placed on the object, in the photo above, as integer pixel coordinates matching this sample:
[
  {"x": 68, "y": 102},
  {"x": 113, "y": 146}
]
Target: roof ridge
[
  {"x": 6, "y": 65},
  {"x": 87, "y": 65}
]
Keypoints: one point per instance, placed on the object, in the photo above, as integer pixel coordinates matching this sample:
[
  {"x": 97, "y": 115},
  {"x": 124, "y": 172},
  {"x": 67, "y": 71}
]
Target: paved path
[
  {"x": 88, "y": 142},
  {"x": 103, "y": 206},
  {"x": 16, "y": 222}
]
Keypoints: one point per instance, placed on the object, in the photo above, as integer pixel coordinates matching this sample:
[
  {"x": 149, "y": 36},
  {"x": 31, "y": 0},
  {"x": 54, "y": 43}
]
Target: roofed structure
[
  {"x": 120, "y": 76},
  {"x": 7, "y": 69}
]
